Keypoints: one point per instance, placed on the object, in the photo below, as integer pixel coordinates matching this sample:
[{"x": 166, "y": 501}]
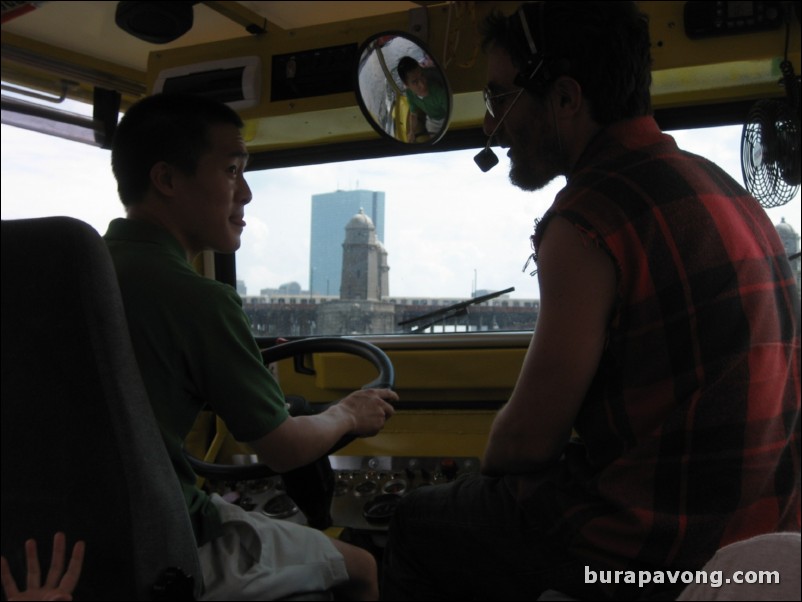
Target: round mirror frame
[{"x": 391, "y": 107}]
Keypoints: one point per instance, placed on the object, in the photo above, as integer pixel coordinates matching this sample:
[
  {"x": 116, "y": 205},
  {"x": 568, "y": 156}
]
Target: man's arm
[
  {"x": 300, "y": 440},
  {"x": 415, "y": 123},
  {"x": 577, "y": 296}
]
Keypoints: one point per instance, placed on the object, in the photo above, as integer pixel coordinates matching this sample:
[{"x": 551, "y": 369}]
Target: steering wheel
[{"x": 368, "y": 351}]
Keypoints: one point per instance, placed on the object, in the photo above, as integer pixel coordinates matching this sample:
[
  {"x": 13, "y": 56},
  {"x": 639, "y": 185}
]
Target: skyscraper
[{"x": 331, "y": 212}]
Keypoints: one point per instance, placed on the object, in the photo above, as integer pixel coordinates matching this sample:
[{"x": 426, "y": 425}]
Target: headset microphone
[{"x": 486, "y": 159}]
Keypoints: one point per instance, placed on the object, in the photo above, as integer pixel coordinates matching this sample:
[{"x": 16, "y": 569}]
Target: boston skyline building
[{"x": 331, "y": 212}]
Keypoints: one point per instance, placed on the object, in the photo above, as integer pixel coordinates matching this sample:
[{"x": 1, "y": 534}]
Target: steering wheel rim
[{"x": 363, "y": 349}]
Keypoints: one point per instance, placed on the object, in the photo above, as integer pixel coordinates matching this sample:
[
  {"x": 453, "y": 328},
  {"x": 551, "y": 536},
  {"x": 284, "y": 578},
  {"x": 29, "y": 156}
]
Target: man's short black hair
[
  {"x": 164, "y": 127},
  {"x": 405, "y": 66},
  {"x": 604, "y": 46}
]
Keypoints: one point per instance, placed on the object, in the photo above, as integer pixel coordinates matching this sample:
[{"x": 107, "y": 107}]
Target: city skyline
[{"x": 449, "y": 228}]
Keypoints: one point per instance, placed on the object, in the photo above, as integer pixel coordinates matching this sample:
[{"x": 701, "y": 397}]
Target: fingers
[
  {"x": 376, "y": 397},
  {"x": 70, "y": 578},
  {"x": 9, "y": 585},
  {"x": 56, "y": 586},
  {"x": 370, "y": 410},
  {"x": 32, "y": 560},
  {"x": 56, "y": 561},
  {"x": 385, "y": 396},
  {"x": 386, "y": 408}
]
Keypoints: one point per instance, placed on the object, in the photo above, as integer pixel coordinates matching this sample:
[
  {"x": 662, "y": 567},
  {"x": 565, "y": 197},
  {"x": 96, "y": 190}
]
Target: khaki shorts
[{"x": 260, "y": 558}]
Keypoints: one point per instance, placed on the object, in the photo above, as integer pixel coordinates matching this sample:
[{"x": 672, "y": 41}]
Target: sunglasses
[{"x": 491, "y": 99}]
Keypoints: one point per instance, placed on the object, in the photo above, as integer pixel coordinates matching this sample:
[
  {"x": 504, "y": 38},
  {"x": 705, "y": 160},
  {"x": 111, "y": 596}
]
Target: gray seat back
[{"x": 81, "y": 451}]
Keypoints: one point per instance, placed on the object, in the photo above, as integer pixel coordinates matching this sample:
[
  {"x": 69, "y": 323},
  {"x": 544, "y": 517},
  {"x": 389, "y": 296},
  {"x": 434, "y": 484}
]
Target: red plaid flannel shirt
[{"x": 691, "y": 429}]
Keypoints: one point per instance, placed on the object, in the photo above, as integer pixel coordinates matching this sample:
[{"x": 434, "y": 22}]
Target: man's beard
[
  {"x": 537, "y": 159},
  {"x": 530, "y": 180}
]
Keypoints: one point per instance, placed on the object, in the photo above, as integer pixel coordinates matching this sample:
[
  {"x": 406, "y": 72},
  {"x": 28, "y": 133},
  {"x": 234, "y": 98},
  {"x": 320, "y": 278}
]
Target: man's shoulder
[{"x": 152, "y": 262}]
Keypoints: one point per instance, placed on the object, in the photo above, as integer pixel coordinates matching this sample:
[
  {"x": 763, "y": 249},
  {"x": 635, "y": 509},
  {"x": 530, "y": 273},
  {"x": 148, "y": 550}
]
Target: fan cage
[{"x": 770, "y": 153}]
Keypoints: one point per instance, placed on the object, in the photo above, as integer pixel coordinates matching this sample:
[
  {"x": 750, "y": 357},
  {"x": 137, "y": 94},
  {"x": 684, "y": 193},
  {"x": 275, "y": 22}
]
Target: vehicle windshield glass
[{"x": 356, "y": 247}]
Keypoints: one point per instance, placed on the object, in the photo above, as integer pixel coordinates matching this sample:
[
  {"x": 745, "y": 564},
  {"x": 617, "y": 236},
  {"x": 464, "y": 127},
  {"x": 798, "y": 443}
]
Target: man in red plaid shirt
[{"x": 667, "y": 342}]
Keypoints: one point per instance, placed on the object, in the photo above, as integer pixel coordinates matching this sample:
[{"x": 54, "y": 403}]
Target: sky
[{"x": 450, "y": 229}]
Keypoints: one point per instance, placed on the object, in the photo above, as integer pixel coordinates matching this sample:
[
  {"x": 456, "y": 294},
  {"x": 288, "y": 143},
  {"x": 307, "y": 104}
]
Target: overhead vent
[{"x": 236, "y": 82}]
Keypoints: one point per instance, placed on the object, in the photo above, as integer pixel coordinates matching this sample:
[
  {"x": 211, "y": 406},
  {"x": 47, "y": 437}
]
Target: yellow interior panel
[{"x": 451, "y": 375}]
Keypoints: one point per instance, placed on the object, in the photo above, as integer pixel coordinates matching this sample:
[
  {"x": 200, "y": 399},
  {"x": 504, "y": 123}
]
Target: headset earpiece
[{"x": 527, "y": 35}]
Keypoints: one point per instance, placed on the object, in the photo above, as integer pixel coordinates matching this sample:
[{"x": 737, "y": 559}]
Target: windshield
[{"x": 411, "y": 235}]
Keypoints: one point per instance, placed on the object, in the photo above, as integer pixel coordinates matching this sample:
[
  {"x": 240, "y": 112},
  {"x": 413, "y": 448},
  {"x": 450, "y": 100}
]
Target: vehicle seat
[
  {"x": 81, "y": 451},
  {"x": 769, "y": 567}
]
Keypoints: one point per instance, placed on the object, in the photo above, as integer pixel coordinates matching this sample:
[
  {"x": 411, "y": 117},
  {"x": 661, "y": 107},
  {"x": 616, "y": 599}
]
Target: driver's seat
[{"x": 81, "y": 452}]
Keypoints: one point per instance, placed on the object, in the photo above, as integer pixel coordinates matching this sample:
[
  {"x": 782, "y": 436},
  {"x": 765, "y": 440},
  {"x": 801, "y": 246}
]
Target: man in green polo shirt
[
  {"x": 179, "y": 163},
  {"x": 427, "y": 98}
]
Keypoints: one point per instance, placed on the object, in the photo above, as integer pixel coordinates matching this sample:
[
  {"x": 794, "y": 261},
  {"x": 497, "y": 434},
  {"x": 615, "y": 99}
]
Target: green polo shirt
[
  {"x": 435, "y": 105},
  {"x": 195, "y": 349}
]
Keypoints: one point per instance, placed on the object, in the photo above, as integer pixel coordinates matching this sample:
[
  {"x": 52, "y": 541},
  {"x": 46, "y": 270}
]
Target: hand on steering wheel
[
  {"x": 369, "y": 409},
  {"x": 365, "y": 425}
]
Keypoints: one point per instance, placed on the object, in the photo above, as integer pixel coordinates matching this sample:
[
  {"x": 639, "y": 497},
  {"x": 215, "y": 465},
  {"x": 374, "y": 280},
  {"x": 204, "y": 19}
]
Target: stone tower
[
  {"x": 364, "y": 283},
  {"x": 365, "y": 270}
]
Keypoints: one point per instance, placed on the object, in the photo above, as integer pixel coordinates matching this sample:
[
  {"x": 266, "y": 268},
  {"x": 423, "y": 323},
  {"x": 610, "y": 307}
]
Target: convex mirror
[{"x": 402, "y": 91}]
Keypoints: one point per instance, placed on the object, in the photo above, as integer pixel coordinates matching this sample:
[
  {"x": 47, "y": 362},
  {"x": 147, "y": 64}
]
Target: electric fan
[{"x": 770, "y": 145}]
